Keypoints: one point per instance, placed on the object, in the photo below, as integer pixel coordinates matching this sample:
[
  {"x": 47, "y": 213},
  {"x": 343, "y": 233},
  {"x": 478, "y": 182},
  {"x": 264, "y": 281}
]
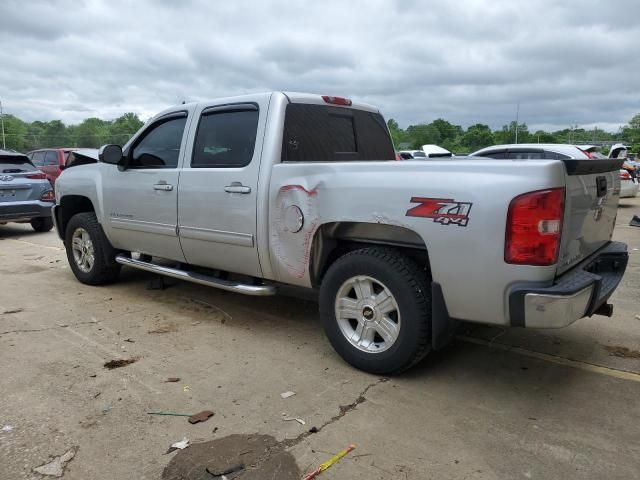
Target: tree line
[
  {"x": 94, "y": 132},
  {"x": 460, "y": 140},
  {"x": 90, "y": 133}
]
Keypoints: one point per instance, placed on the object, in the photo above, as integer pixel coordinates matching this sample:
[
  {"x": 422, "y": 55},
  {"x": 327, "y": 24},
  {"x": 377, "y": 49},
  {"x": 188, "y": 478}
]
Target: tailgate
[
  {"x": 593, "y": 190},
  {"x": 15, "y": 190}
]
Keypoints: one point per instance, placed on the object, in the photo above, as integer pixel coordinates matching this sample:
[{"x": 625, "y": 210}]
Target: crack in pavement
[
  {"x": 292, "y": 442},
  {"x": 344, "y": 409},
  {"x": 25, "y": 330}
]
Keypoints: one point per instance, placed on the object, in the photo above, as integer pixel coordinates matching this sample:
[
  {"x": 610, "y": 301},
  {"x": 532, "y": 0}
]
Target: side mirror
[{"x": 111, "y": 154}]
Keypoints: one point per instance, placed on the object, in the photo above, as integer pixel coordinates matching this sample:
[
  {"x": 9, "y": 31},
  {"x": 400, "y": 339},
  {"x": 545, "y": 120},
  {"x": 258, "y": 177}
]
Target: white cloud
[{"x": 467, "y": 61}]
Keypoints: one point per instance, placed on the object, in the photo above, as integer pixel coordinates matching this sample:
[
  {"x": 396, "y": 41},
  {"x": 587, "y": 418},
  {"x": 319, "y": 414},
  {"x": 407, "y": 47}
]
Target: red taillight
[
  {"x": 336, "y": 100},
  {"x": 534, "y": 228},
  {"x": 37, "y": 176},
  {"x": 48, "y": 196},
  {"x": 624, "y": 175}
]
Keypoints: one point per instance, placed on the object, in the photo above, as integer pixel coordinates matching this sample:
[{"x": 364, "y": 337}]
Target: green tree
[
  {"x": 15, "y": 131},
  {"x": 92, "y": 133},
  {"x": 476, "y": 137},
  {"x": 122, "y": 128},
  {"x": 418, "y": 135}
]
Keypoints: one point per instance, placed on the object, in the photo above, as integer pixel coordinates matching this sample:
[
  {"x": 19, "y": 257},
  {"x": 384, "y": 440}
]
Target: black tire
[
  {"x": 104, "y": 268},
  {"x": 407, "y": 283},
  {"x": 42, "y": 224}
]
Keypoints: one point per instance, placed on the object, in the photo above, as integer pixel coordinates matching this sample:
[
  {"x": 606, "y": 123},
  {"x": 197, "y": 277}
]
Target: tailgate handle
[{"x": 601, "y": 186}]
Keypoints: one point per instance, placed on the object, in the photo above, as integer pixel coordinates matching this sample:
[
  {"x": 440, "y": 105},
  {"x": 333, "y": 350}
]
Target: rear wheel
[
  {"x": 91, "y": 256},
  {"x": 375, "y": 305},
  {"x": 42, "y": 224}
]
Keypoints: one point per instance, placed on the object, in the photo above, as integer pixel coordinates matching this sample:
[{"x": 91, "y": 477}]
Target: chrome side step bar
[{"x": 255, "y": 290}]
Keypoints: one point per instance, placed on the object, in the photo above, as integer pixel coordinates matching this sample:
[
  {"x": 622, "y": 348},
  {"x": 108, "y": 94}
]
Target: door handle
[
  {"x": 163, "y": 187},
  {"x": 237, "y": 187}
]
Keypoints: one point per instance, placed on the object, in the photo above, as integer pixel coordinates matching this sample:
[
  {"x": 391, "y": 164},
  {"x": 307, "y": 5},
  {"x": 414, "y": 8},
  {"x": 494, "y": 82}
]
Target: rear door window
[
  {"x": 225, "y": 139},
  {"x": 525, "y": 154},
  {"x": 555, "y": 156},
  {"x": 318, "y": 133},
  {"x": 51, "y": 158},
  {"x": 498, "y": 154},
  {"x": 38, "y": 158}
]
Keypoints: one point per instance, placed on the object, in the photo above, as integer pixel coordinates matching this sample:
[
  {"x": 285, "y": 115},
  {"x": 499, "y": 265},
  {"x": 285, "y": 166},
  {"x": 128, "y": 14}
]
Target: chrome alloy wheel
[
  {"x": 367, "y": 314},
  {"x": 83, "y": 251}
]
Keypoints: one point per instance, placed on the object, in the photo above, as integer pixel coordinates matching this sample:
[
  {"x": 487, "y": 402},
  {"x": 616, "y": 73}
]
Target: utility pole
[
  {"x": 517, "y": 119},
  {"x": 4, "y": 145}
]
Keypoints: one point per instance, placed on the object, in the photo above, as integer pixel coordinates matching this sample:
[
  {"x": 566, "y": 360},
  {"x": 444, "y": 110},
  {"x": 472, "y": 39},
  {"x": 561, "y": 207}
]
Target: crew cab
[{"x": 253, "y": 192}]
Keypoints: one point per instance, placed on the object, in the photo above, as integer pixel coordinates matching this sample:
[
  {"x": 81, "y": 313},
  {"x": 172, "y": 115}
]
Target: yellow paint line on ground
[{"x": 588, "y": 367}]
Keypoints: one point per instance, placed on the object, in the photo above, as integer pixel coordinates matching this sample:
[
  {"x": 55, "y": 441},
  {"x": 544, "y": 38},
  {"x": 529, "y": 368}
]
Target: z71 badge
[{"x": 443, "y": 210}]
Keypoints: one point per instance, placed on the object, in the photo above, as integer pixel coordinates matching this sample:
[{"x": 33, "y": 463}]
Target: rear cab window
[{"x": 319, "y": 133}]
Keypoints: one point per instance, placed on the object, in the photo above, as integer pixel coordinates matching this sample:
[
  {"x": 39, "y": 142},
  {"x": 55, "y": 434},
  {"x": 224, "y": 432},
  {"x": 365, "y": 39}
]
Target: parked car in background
[
  {"x": 412, "y": 154},
  {"x": 25, "y": 193},
  {"x": 427, "y": 151},
  {"x": 628, "y": 185},
  {"x": 618, "y": 150},
  {"x": 435, "y": 151},
  {"x": 533, "y": 151},
  {"x": 82, "y": 156},
  {"x": 51, "y": 161},
  {"x": 592, "y": 151}
]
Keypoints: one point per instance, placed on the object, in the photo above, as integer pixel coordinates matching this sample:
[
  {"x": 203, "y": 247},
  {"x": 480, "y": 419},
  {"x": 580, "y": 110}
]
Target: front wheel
[
  {"x": 42, "y": 224},
  {"x": 375, "y": 305},
  {"x": 91, "y": 256}
]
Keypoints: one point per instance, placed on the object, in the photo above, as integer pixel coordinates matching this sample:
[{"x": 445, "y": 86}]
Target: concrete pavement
[{"x": 475, "y": 411}]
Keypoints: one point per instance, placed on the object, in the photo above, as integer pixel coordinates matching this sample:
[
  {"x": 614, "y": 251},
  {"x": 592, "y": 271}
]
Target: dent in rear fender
[
  {"x": 467, "y": 261},
  {"x": 295, "y": 219}
]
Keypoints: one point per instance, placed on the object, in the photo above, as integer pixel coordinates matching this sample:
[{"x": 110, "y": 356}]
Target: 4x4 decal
[{"x": 442, "y": 210}]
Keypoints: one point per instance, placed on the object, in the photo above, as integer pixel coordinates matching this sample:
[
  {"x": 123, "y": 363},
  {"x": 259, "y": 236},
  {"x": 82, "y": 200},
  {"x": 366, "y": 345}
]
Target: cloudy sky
[{"x": 468, "y": 61}]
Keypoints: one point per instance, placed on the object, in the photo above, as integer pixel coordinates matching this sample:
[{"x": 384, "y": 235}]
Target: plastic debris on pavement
[
  {"x": 181, "y": 445},
  {"x": 287, "y": 418},
  {"x": 287, "y": 394},
  {"x": 172, "y": 379},
  {"x": 186, "y": 388},
  {"x": 329, "y": 463},
  {"x": 56, "y": 467},
  {"x": 8, "y": 428}
]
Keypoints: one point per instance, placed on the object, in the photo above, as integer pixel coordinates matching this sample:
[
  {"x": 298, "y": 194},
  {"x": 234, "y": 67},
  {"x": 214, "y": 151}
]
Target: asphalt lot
[{"x": 496, "y": 405}]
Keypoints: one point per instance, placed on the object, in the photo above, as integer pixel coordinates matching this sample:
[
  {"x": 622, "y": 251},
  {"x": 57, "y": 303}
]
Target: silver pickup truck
[{"x": 248, "y": 193}]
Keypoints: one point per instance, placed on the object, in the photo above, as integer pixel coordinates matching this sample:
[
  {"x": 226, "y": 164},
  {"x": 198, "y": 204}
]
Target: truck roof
[{"x": 294, "y": 97}]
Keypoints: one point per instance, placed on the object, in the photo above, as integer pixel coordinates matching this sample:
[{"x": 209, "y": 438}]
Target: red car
[{"x": 50, "y": 161}]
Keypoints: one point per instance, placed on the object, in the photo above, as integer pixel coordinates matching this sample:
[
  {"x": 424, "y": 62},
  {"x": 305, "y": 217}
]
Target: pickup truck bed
[{"x": 246, "y": 193}]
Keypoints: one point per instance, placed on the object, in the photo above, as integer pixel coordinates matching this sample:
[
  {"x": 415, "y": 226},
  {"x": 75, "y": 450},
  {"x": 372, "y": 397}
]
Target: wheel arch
[
  {"x": 69, "y": 206},
  {"x": 334, "y": 239}
]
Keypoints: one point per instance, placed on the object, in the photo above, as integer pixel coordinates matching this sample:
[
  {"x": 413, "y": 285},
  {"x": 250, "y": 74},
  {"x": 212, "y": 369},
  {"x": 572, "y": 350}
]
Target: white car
[
  {"x": 533, "y": 151},
  {"x": 628, "y": 186}
]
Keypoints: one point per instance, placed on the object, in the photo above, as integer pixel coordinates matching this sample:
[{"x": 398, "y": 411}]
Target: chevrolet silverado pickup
[{"x": 253, "y": 192}]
